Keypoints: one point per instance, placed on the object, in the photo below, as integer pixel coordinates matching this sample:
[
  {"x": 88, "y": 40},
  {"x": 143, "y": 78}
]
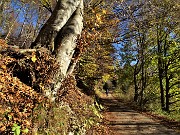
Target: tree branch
[
  {"x": 176, "y": 83},
  {"x": 174, "y": 102}
]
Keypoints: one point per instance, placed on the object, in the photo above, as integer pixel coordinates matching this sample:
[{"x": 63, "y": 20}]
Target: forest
[{"x": 56, "y": 56}]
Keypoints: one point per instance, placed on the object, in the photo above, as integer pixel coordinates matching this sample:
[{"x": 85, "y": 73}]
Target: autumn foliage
[
  {"x": 22, "y": 81},
  {"x": 24, "y": 76},
  {"x": 17, "y": 98}
]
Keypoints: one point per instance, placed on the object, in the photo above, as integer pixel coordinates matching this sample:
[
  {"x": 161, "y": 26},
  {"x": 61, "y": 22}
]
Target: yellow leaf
[
  {"x": 93, "y": 29},
  {"x": 34, "y": 58},
  {"x": 93, "y": 11},
  {"x": 104, "y": 11},
  {"x": 105, "y": 77},
  {"x": 3, "y": 128},
  {"x": 3, "y": 67},
  {"x": 98, "y": 17}
]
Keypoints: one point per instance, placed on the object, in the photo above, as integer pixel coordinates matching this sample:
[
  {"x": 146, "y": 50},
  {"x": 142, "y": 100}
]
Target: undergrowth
[{"x": 24, "y": 109}]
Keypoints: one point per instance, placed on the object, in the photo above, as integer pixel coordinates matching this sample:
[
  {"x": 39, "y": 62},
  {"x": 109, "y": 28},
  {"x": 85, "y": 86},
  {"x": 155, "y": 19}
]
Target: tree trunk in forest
[
  {"x": 167, "y": 79},
  {"x": 136, "y": 93},
  {"x": 136, "y": 89},
  {"x": 167, "y": 93},
  {"x": 161, "y": 83},
  {"x": 59, "y": 35},
  {"x": 142, "y": 85},
  {"x": 160, "y": 67},
  {"x": 142, "y": 75},
  {"x": 160, "y": 75}
]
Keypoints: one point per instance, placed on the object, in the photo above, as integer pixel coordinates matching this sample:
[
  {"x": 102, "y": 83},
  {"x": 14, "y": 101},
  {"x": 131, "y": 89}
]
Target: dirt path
[{"x": 124, "y": 121}]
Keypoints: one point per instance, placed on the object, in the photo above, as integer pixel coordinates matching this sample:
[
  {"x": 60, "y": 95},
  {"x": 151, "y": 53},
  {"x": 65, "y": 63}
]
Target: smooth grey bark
[
  {"x": 66, "y": 43},
  {"x": 60, "y": 15},
  {"x": 66, "y": 39},
  {"x": 59, "y": 35}
]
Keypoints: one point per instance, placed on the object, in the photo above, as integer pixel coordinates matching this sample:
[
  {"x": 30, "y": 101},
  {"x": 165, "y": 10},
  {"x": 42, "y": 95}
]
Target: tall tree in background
[
  {"x": 150, "y": 28},
  {"x": 133, "y": 35},
  {"x": 167, "y": 46},
  {"x": 21, "y": 21}
]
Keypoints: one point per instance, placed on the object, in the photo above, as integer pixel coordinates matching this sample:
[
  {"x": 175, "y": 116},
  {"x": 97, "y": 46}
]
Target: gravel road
[{"x": 123, "y": 120}]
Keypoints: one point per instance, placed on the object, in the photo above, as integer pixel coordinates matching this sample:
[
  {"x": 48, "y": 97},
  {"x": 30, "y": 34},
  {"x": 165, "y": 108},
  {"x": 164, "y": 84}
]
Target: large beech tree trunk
[{"x": 59, "y": 35}]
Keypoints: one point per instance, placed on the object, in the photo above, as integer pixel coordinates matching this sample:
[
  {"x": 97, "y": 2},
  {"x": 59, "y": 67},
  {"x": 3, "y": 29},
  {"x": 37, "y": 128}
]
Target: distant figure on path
[
  {"x": 114, "y": 83},
  {"x": 107, "y": 86}
]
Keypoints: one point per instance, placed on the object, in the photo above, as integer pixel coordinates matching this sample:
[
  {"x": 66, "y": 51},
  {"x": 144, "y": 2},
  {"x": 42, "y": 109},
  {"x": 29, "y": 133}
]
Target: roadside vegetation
[{"x": 148, "y": 54}]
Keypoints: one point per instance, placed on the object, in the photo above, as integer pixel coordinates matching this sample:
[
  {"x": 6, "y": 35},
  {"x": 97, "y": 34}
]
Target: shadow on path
[{"x": 123, "y": 120}]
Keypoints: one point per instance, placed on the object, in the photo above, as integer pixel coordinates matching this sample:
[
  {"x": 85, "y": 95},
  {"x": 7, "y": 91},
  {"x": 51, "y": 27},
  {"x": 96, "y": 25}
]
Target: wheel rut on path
[{"x": 123, "y": 120}]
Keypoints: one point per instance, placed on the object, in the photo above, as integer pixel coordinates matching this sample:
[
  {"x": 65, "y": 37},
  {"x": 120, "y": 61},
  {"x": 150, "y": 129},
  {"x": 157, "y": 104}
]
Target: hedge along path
[{"x": 123, "y": 120}]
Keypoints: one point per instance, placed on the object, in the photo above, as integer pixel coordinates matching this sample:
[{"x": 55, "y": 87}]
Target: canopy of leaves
[
  {"x": 149, "y": 40},
  {"x": 99, "y": 34}
]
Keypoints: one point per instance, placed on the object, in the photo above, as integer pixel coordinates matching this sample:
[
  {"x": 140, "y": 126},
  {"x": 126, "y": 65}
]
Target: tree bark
[
  {"x": 136, "y": 92},
  {"x": 59, "y": 35},
  {"x": 60, "y": 15},
  {"x": 160, "y": 75},
  {"x": 167, "y": 93},
  {"x": 166, "y": 77}
]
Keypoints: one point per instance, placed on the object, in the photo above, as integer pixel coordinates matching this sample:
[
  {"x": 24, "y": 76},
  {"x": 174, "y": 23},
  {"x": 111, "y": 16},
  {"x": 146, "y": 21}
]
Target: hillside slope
[{"x": 23, "y": 107}]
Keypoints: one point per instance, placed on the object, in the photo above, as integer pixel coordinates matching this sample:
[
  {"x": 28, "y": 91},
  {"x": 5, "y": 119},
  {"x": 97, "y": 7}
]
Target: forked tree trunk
[
  {"x": 61, "y": 14},
  {"x": 59, "y": 35}
]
